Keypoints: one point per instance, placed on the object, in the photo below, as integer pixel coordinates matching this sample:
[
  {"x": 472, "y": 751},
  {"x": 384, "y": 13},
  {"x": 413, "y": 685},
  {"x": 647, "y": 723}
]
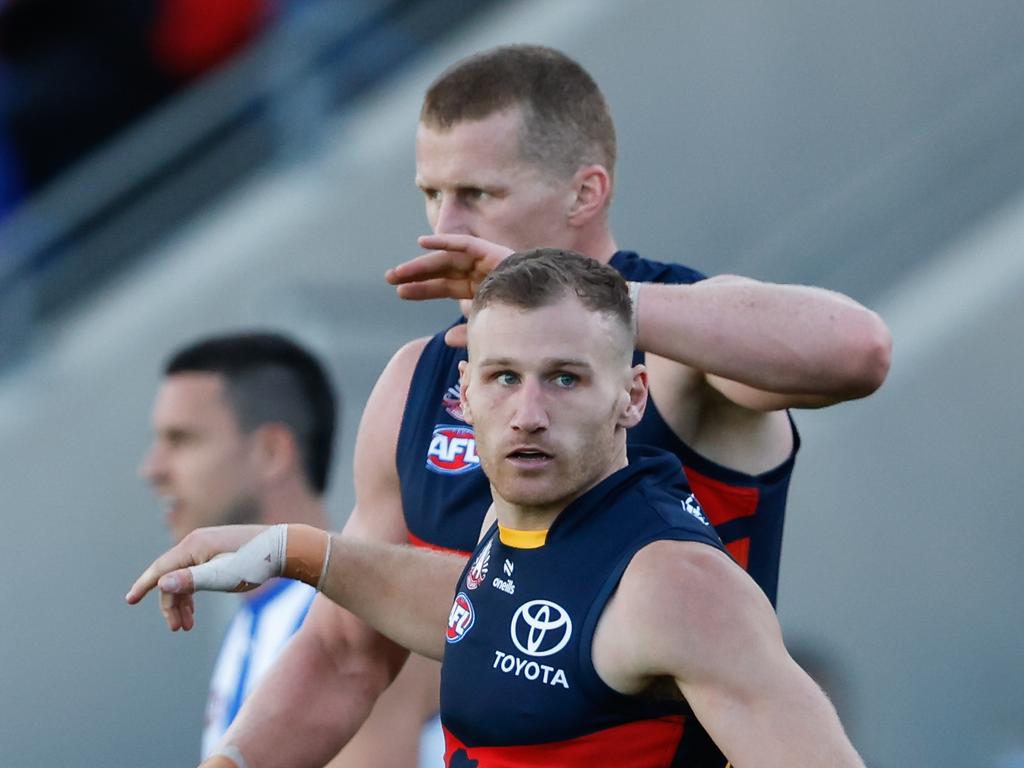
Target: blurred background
[{"x": 170, "y": 168}]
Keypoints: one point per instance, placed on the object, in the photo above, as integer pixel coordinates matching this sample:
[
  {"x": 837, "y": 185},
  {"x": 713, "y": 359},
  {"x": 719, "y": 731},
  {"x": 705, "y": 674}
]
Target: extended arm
[{"x": 685, "y": 611}]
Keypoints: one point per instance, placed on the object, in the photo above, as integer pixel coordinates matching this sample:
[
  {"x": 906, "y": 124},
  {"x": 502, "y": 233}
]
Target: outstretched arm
[
  {"x": 685, "y": 611},
  {"x": 404, "y": 593}
]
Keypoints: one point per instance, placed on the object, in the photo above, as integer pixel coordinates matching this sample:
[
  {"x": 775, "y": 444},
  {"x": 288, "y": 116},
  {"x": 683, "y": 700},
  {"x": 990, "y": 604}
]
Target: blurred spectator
[{"x": 79, "y": 70}]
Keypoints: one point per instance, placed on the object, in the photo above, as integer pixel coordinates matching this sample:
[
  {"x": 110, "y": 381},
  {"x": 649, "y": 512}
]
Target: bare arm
[
  {"x": 799, "y": 345},
  {"x": 405, "y": 593},
  {"x": 687, "y": 612}
]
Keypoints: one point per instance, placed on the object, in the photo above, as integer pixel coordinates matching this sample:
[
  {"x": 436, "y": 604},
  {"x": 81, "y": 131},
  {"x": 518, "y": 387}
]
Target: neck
[
  {"x": 297, "y": 507},
  {"x": 599, "y": 244},
  {"x": 521, "y": 517}
]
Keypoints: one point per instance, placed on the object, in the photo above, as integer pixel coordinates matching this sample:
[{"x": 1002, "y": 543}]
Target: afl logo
[
  {"x": 452, "y": 450},
  {"x": 541, "y": 628},
  {"x": 460, "y": 619}
]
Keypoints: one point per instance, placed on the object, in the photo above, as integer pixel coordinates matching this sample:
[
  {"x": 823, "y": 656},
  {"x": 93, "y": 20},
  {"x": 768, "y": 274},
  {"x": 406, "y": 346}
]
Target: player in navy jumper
[
  {"x": 516, "y": 146},
  {"x": 599, "y": 614}
]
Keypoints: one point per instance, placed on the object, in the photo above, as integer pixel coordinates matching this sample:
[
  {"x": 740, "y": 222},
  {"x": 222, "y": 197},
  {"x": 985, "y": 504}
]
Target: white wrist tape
[{"x": 261, "y": 559}]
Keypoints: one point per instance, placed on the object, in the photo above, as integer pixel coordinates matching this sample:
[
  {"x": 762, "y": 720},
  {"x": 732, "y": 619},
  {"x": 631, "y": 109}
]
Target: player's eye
[
  {"x": 472, "y": 194},
  {"x": 506, "y": 378},
  {"x": 566, "y": 380}
]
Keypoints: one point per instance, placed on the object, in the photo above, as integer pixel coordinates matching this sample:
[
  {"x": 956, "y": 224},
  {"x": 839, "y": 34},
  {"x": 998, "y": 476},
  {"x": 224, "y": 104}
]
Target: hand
[
  {"x": 198, "y": 547},
  {"x": 453, "y": 270}
]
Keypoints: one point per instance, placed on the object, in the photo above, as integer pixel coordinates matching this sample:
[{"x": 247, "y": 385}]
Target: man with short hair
[
  {"x": 516, "y": 146},
  {"x": 600, "y": 595},
  {"x": 243, "y": 431}
]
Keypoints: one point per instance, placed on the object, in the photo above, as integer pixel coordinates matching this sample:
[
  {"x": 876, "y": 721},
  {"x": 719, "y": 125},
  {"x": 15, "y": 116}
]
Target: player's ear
[
  {"x": 634, "y": 398},
  {"x": 276, "y": 449},
  {"x": 467, "y": 413},
  {"x": 592, "y": 186}
]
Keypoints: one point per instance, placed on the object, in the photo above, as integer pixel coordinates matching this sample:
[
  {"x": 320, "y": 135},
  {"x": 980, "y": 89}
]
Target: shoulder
[
  {"x": 643, "y": 270},
  {"x": 393, "y": 383},
  {"x": 685, "y": 602},
  {"x": 382, "y": 414}
]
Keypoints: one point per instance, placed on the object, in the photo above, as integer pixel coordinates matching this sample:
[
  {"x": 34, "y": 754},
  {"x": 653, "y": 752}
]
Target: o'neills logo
[{"x": 452, "y": 450}]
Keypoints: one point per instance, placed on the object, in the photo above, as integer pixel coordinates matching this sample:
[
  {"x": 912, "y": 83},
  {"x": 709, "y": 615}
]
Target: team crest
[
  {"x": 691, "y": 505},
  {"x": 460, "y": 619},
  {"x": 452, "y": 402},
  {"x": 452, "y": 450},
  {"x": 478, "y": 571}
]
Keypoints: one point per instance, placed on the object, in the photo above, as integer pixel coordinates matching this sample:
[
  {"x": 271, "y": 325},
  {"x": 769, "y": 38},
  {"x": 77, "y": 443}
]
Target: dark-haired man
[
  {"x": 516, "y": 146},
  {"x": 243, "y": 428},
  {"x": 600, "y": 613}
]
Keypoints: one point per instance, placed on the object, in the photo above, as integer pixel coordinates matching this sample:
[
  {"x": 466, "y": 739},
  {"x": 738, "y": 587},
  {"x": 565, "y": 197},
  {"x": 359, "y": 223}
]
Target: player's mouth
[
  {"x": 171, "y": 507},
  {"x": 529, "y": 457}
]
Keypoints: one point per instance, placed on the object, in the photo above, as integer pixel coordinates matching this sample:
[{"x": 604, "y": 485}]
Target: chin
[{"x": 516, "y": 493}]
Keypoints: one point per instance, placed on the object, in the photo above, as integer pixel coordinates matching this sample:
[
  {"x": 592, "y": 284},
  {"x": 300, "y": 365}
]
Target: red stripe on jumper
[
  {"x": 416, "y": 541},
  {"x": 643, "y": 744}
]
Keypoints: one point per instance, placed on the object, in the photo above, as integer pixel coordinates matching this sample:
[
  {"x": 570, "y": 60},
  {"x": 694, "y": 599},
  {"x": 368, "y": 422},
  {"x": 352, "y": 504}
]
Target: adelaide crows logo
[
  {"x": 452, "y": 450},
  {"x": 478, "y": 571},
  {"x": 452, "y": 401}
]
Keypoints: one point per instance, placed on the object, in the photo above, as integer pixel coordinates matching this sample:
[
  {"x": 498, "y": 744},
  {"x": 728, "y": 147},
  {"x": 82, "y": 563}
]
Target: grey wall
[{"x": 861, "y": 146}]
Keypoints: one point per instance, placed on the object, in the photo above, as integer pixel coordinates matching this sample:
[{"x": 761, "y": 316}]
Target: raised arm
[
  {"x": 764, "y": 346},
  {"x": 801, "y": 346},
  {"x": 685, "y": 611}
]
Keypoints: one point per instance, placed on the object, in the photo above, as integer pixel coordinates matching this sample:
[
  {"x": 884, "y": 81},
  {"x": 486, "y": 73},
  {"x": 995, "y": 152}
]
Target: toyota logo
[{"x": 545, "y": 627}]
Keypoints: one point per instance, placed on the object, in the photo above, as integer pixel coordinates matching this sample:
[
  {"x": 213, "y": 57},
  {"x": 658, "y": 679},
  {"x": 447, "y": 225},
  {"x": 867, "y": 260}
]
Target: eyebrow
[{"x": 492, "y": 362}]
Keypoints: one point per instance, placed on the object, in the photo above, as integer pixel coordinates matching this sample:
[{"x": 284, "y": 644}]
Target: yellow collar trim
[{"x": 510, "y": 537}]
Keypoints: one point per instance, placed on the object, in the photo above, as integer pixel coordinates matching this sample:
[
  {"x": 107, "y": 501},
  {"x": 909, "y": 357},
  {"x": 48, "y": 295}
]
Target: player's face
[
  {"x": 475, "y": 183},
  {"x": 547, "y": 392},
  {"x": 200, "y": 464}
]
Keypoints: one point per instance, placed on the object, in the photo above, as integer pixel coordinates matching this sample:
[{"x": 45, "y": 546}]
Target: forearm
[
  {"x": 779, "y": 338},
  {"x": 797, "y": 728},
  {"x": 404, "y": 593}
]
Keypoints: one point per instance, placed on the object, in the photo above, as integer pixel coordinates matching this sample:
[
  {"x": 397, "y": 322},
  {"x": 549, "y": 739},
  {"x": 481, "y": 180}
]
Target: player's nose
[
  {"x": 531, "y": 413},
  {"x": 451, "y": 218},
  {"x": 153, "y": 465}
]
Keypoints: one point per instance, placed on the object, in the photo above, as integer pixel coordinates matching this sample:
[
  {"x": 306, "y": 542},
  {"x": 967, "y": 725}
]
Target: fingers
[
  {"x": 474, "y": 246},
  {"x": 178, "y": 582},
  {"x": 430, "y": 265},
  {"x": 168, "y": 561},
  {"x": 178, "y": 610},
  {"x": 439, "y": 288},
  {"x": 198, "y": 547}
]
